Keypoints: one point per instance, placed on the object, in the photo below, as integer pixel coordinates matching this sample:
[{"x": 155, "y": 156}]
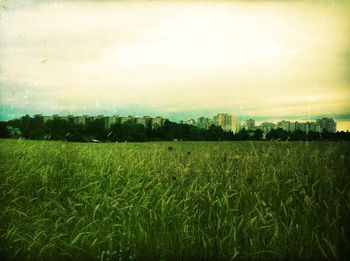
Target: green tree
[
  {"x": 243, "y": 135},
  {"x": 214, "y": 133},
  {"x": 313, "y": 135},
  {"x": 258, "y": 134},
  {"x": 58, "y": 129},
  {"x": 298, "y": 135},
  {"x": 277, "y": 134},
  {"x": 96, "y": 129},
  {"x": 37, "y": 134},
  {"x": 4, "y": 132}
]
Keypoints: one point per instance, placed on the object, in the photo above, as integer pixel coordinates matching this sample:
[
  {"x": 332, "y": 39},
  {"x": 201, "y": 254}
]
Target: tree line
[{"x": 58, "y": 129}]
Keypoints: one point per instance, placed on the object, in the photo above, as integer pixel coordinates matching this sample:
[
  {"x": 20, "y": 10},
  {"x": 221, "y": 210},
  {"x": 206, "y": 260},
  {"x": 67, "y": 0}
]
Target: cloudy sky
[{"x": 261, "y": 59}]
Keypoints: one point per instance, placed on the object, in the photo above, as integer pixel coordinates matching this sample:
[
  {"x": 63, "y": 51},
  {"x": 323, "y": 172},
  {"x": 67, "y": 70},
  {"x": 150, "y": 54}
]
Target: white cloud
[{"x": 258, "y": 59}]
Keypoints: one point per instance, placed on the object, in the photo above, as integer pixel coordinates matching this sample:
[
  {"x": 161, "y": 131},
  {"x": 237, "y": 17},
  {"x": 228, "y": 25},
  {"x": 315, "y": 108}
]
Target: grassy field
[{"x": 174, "y": 200}]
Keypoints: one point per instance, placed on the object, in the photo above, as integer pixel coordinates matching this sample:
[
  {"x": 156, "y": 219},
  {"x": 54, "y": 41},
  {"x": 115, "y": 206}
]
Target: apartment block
[
  {"x": 204, "y": 123},
  {"x": 250, "y": 124},
  {"x": 145, "y": 120},
  {"x": 69, "y": 118},
  {"x": 123, "y": 119},
  {"x": 315, "y": 127},
  {"x": 108, "y": 121},
  {"x": 284, "y": 125},
  {"x": 82, "y": 120},
  {"x": 303, "y": 126},
  {"x": 293, "y": 126},
  {"x": 158, "y": 122},
  {"x": 226, "y": 121},
  {"x": 267, "y": 126},
  {"x": 327, "y": 124}
]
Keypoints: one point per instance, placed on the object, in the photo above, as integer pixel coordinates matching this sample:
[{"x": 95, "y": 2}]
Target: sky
[{"x": 259, "y": 59}]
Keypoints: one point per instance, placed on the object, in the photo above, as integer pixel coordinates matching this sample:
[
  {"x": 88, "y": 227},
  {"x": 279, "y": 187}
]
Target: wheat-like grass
[{"x": 196, "y": 201}]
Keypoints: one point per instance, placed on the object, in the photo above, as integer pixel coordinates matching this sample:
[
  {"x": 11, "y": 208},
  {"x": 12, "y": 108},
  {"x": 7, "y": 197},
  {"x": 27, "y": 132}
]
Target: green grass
[{"x": 196, "y": 201}]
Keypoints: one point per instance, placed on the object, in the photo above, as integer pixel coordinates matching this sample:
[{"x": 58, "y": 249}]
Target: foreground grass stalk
[{"x": 197, "y": 201}]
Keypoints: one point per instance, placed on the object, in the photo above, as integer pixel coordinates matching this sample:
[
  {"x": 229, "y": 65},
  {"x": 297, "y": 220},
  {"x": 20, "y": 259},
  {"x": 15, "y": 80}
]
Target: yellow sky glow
[{"x": 256, "y": 58}]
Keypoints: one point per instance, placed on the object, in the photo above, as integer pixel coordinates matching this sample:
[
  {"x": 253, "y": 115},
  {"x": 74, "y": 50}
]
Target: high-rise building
[
  {"x": 145, "y": 120},
  {"x": 226, "y": 121},
  {"x": 250, "y": 124},
  {"x": 204, "y": 123},
  {"x": 158, "y": 121},
  {"x": 108, "y": 122},
  {"x": 314, "y": 126},
  {"x": 92, "y": 118},
  {"x": 284, "y": 125},
  {"x": 83, "y": 120},
  {"x": 266, "y": 127},
  {"x": 69, "y": 118},
  {"x": 302, "y": 126},
  {"x": 123, "y": 119},
  {"x": 241, "y": 126},
  {"x": 116, "y": 118},
  {"x": 148, "y": 121},
  {"x": 293, "y": 126},
  {"x": 132, "y": 118},
  {"x": 327, "y": 124}
]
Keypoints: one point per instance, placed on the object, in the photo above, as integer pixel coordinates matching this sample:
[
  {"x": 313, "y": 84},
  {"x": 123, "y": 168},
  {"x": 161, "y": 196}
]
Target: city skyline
[
  {"x": 227, "y": 122},
  {"x": 267, "y": 60}
]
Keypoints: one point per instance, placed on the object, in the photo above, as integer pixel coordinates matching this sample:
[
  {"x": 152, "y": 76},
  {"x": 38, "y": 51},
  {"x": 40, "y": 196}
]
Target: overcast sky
[{"x": 263, "y": 59}]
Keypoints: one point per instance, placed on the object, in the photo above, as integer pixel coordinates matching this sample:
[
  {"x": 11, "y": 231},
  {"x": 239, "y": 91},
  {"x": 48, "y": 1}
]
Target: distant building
[
  {"x": 123, "y": 119},
  {"x": 283, "y": 125},
  {"x": 241, "y": 126},
  {"x": 191, "y": 122},
  {"x": 47, "y": 118},
  {"x": 69, "y": 118},
  {"x": 132, "y": 118},
  {"x": 108, "y": 122},
  {"x": 266, "y": 127},
  {"x": 303, "y": 126},
  {"x": 55, "y": 116},
  {"x": 314, "y": 126},
  {"x": 145, "y": 121},
  {"x": 81, "y": 120},
  {"x": 92, "y": 118},
  {"x": 158, "y": 122},
  {"x": 250, "y": 124},
  {"x": 117, "y": 118},
  {"x": 327, "y": 124},
  {"x": 293, "y": 126},
  {"x": 204, "y": 123},
  {"x": 226, "y": 121}
]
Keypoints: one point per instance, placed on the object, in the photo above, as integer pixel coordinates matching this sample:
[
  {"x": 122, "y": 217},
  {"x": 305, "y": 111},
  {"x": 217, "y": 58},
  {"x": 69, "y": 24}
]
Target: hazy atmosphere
[
  {"x": 260, "y": 59},
  {"x": 174, "y": 130}
]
